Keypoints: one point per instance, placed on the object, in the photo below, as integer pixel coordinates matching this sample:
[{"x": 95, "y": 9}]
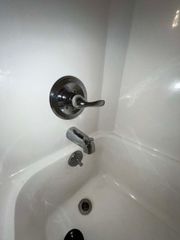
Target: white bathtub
[{"x": 132, "y": 194}]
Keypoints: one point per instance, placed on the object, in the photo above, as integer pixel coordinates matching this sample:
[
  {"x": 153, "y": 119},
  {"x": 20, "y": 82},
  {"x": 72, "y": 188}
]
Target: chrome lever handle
[
  {"x": 68, "y": 98},
  {"x": 79, "y": 102}
]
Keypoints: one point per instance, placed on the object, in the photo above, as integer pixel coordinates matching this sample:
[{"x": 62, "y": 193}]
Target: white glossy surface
[
  {"x": 149, "y": 102},
  {"x": 129, "y": 186},
  {"x": 115, "y": 215},
  {"x": 40, "y": 42},
  {"x": 119, "y": 23}
]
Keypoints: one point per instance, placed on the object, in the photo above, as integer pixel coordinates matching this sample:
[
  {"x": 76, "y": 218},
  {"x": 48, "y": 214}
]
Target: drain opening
[
  {"x": 75, "y": 234},
  {"x": 85, "y": 206}
]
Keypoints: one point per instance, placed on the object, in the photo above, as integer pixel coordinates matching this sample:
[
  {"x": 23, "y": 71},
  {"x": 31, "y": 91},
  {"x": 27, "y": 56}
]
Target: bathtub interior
[
  {"x": 45, "y": 191},
  {"x": 128, "y": 187}
]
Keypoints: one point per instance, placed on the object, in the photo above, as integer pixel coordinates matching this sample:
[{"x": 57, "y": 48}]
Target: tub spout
[{"x": 81, "y": 139}]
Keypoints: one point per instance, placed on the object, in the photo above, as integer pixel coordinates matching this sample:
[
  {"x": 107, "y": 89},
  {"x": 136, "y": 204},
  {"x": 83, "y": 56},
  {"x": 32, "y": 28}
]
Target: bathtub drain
[
  {"x": 85, "y": 206},
  {"x": 75, "y": 234}
]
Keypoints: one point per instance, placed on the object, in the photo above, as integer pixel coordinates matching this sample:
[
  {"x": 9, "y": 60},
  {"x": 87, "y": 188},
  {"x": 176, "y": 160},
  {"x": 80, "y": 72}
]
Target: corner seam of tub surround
[
  {"x": 104, "y": 58},
  {"x": 131, "y": 14},
  {"x": 113, "y": 34}
]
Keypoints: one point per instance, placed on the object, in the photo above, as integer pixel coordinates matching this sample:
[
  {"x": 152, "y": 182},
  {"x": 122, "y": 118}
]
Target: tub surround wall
[
  {"x": 141, "y": 80},
  {"x": 149, "y": 103},
  {"x": 40, "y": 44},
  {"x": 42, "y": 41}
]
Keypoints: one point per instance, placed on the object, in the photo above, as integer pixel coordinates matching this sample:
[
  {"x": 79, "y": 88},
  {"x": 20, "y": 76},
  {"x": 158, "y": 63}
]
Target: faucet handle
[
  {"x": 68, "y": 98},
  {"x": 80, "y": 102}
]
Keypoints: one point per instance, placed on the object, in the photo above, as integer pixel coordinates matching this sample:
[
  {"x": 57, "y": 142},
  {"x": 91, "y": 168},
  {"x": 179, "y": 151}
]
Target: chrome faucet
[{"x": 81, "y": 139}]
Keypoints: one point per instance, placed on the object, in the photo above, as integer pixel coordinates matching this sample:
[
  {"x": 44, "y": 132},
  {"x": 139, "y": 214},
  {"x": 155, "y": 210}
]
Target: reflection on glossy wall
[
  {"x": 149, "y": 102},
  {"x": 42, "y": 41}
]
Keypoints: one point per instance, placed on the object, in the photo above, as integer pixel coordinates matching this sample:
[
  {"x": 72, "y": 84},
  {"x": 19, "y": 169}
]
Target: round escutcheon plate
[{"x": 61, "y": 95}]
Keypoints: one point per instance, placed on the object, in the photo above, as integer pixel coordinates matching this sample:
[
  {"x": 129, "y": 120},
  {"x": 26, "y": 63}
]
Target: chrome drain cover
[{"x": 85, "y": 206}]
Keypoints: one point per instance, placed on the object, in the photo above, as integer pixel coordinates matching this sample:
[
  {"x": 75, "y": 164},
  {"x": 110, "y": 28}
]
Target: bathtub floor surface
[{"x": 114, "y": 215}]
